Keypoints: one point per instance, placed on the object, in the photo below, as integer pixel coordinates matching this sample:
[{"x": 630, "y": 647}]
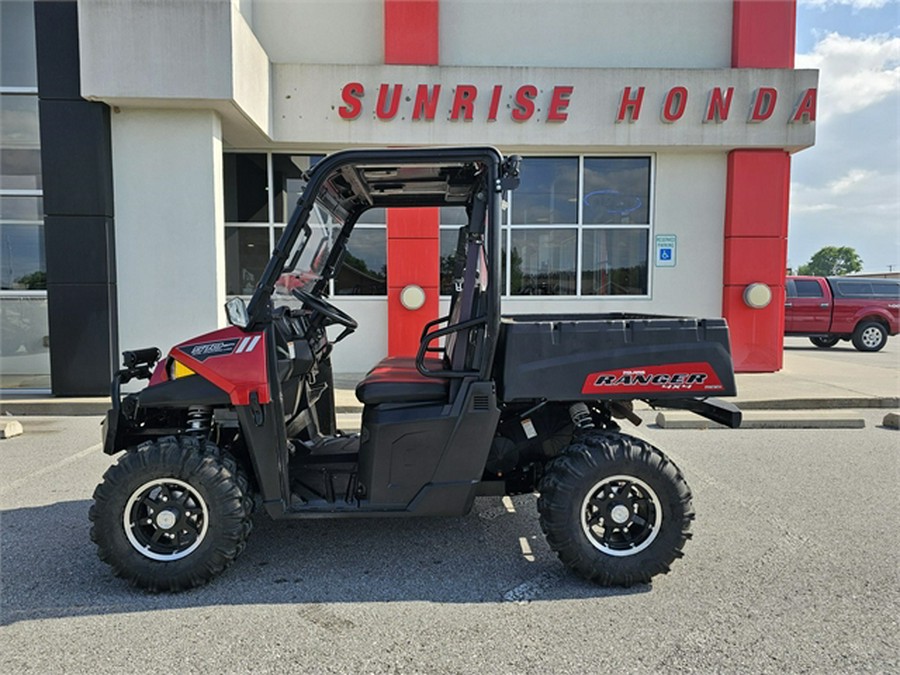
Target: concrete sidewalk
[{"x": 812, "y": 379}]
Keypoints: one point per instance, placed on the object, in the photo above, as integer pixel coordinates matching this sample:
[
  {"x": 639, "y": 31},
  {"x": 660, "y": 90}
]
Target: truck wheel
[
  {"x": 824, "y": 342},
  {"x": 615, "y": 509},
  {"x": 172, "y": 514},
  {"x": 869, "y": 336}
]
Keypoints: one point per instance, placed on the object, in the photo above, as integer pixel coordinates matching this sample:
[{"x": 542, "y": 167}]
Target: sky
[{"x": 845, "y": 190}]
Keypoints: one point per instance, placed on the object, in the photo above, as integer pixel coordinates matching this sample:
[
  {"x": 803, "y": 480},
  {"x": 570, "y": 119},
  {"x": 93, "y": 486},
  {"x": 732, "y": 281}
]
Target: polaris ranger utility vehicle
[{"x": 490, "y": 405}]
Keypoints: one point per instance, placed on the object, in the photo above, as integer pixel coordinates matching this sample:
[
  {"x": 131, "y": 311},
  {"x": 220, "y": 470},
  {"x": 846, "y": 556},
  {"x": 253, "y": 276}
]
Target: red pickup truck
[{"x": 829, "y": 309}]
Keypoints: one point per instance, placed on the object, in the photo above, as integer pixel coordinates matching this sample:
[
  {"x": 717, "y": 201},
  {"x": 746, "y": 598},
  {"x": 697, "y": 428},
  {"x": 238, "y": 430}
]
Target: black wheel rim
[
  {"x": 165, "y": 519},
  {"x": 621, "y": 515}
]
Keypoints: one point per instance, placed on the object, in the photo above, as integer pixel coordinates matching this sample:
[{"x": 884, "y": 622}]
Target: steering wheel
[{"x": 326, "y": 309}]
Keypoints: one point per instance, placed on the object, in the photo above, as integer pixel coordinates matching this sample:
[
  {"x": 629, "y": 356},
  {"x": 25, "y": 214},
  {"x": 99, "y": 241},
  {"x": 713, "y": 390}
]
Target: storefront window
[
  {"x": 255, "y": 217},
  {"x": 548, "y": 192},
  {"x": 614, "y": 262},
  {"x": 246, "y": 188},
  {"x": 364, "y": 271},
  {"x": 575, "y": 226},
  {"x": 543, "y": 261},
  {"x": 24, "y": 347},
  {"x": 579, "y": 255},
  {"x": 287, "y": 172},
  {"x": 616, "y": 190},
  {"x": 20, "y": 162},
  {"x": 247, "y": 251},
  {"x": 18, "y": 63}
]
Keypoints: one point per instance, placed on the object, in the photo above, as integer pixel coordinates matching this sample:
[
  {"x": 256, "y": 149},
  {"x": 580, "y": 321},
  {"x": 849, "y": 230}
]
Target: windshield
[{"x": 306, "y": 260}]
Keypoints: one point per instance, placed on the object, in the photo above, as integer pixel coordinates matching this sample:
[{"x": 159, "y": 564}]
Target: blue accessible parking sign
[{"x": 665, "y": 250}]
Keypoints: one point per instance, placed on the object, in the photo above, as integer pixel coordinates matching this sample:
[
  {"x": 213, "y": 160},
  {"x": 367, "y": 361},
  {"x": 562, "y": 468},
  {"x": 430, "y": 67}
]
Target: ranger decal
[{"x": 649, "y": 379}]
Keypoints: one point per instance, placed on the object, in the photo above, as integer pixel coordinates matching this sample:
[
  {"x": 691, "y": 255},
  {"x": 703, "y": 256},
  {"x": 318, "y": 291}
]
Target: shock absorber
[
  {"x": 581, "y": 416},
  {"x": 199, "y": 419}
]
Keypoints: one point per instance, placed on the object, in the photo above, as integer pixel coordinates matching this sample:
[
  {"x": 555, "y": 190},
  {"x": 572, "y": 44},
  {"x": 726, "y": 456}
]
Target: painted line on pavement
[{"x": 19, "y": 482}]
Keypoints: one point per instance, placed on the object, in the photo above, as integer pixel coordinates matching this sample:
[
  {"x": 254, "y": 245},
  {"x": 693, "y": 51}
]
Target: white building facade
[{"x": 656, "y": 138}]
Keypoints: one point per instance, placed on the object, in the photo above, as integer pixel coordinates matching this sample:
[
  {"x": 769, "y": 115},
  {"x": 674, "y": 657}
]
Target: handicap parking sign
[{"x": 665, "y": 250}]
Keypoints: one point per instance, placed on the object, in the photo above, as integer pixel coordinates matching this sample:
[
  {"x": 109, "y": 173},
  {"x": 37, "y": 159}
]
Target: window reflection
[
  {"x": 18, "y": 60},
  {"x": 543, "y": 261},
  {"x": 246, "y": 197},
  {"x": 246, "y": 254},
  {"x": 287, "y": 174},
  {"x": 547, "y": 193},
  {"x": 364, "y": 271},
  {"x": 614, "y": 262},
  {"x": 616, "y": 190},
  {"x": 20, "y": 161}
]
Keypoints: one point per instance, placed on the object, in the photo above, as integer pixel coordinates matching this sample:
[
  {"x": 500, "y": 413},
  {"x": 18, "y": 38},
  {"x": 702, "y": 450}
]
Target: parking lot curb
[
  {"x": 10, "y": 428},
  {"x": 891, "y": 420},
  {"x": 763, "y": 420},
  {"x": 848, "y": 403}
]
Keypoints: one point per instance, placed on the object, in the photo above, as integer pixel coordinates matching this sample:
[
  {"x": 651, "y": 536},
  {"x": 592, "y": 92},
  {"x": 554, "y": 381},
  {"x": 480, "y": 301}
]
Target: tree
[{"x": 832, "y": 261}]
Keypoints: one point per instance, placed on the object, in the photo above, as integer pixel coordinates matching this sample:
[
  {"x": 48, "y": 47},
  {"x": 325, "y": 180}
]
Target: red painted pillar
[
  {"x": 413, "y": 235},
  {"x": 756, "y": 203}
]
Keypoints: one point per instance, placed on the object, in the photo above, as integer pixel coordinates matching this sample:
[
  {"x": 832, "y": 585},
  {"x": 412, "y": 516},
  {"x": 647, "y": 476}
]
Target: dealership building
[{"x": 152, "y": 152}]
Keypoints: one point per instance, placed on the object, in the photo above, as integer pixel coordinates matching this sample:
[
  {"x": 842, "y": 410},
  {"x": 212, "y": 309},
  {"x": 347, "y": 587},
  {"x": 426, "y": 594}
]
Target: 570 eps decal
[
  {"x": 648, "y": 379},
  {"x": 205, "y": 350}
]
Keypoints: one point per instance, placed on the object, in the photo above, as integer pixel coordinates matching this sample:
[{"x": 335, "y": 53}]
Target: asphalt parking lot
[{"x": 793, "y": 568}]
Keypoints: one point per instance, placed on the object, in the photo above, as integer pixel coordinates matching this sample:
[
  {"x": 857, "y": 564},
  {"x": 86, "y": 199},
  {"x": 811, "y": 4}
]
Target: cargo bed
[{"x": 612, "y": 356}]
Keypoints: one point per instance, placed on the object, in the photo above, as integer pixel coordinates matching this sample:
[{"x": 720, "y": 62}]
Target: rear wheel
[
  {"x": 615, "y": 509},
  {"x": 824, "y": 342},
  {"x": 171, "y": 515},
  {"x": 869, "y": 336}
]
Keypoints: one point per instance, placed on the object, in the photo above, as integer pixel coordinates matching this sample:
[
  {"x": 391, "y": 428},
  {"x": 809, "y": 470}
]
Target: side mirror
[{"x": 236, "y": 310}]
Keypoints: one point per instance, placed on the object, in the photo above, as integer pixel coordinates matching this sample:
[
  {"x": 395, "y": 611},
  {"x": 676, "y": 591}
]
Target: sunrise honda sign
[
  {"x": 578, "y": 106},
  {"x": 423, "y": 105}
]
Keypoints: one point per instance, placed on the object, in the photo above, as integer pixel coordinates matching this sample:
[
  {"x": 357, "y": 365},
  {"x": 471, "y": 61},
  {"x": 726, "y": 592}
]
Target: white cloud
[
  {"x": 855, "y": 4},
  {"x": 849, "y": 181},
  {"x": 855, "y": 73}
]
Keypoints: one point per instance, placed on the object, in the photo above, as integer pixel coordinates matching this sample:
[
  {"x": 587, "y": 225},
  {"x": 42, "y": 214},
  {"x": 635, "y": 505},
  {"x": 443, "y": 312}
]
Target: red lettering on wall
[
  {"x": 806, "y": 108},
  {"x": 630, "y": 103},
  {"x": 719, "y": 105},
  {"x": 350, "y": 94},
  {"x": 387, "y": 109},
  {"x": 426, "y": 102},
  {"x": 464, "y": 101},
  {"x": 674, "y": 104},
  {"x": 524, "y": 99},
  {"x": 559, "y": 101},
  {"x": 764, "y": 104},
  {"x": 495, "y": 103}
]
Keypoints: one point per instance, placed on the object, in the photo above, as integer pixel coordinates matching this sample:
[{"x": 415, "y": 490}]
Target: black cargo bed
[{"x": 612, "y": 356}]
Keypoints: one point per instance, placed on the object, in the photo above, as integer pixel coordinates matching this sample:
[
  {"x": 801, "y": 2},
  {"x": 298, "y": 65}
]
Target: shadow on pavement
[{"x": 50, "y": 568}]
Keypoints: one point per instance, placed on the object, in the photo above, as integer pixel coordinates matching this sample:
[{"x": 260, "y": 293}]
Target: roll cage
[{"x": 351, "y": 182}]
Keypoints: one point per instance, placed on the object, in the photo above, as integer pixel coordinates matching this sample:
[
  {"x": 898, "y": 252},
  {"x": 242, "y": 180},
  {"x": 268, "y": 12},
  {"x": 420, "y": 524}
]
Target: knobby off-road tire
[
  {"x": 824, "y": 342},
  {"x": 172, "y": 514},
  {"x": 615, "y": 509},
  {"x": 869, "y": 336}
]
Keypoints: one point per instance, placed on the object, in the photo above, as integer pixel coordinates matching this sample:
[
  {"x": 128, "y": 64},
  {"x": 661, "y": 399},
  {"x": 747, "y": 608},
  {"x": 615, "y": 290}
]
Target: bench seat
[{"x": 396, "y": 379}]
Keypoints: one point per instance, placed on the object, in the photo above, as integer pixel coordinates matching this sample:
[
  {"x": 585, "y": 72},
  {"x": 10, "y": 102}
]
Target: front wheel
[
  {"x": 869, "y": 336},
  {"x": 615, "y": 509},
  {"x": 824, "y": 342},
  {"x": 172, "y": 514}
]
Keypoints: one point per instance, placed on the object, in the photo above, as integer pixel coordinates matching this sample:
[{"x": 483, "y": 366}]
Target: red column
[
  {"x": 756, "y": 202},
  {"x": 413, "y": 246},
  {"x": 413, "y": 255},
  {"x": 756, "y": 212}
]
